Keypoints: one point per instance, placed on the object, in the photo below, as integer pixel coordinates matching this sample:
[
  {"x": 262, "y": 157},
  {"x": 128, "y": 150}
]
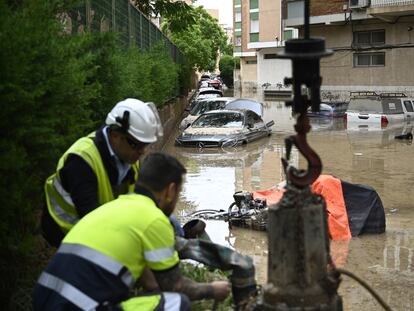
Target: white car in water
[{"x": 378, "y": 110}]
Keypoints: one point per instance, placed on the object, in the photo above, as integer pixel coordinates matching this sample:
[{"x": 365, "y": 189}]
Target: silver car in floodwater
[
  {"x": 224, "y": 128},
  {"x": 203, "y": 106}
]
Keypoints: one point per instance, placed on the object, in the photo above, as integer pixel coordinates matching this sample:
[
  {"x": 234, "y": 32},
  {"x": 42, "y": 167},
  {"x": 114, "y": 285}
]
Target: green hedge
[
  {"x": 226, "y": 66},
  {"x": 55, "y": 88}
]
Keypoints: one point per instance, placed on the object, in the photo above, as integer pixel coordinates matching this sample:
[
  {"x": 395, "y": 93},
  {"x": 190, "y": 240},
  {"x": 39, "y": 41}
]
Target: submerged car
[
  {"x": 203, "y": 106},
  {"x": 329, "y": 110},
  {"x": 204, "y": 93},
  {"x": 380, "y": 110},
  {"x": 224, "y": 128}
]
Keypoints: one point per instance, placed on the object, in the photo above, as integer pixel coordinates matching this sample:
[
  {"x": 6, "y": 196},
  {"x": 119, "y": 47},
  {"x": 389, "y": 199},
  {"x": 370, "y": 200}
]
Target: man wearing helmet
[
  {"x": 108, "y": 250},
  {"x": 99, "y": 167}
]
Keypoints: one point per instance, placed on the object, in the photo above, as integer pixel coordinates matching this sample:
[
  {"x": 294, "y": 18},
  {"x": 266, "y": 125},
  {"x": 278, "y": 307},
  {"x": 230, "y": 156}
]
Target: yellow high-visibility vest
[
  {"x": 131, "y": 230},
  {"x": 59, "y": 202}
]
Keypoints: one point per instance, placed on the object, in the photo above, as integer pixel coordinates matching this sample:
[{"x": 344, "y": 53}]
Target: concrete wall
[
  {"x": 272, "y": 71},
  {"x": 170, "y": 115},
  {"x": 269, "y": 20},
  {"x": 245, "y": 5},
  {"x": 248, "y": 73},
  {"x": 396, "y": 75}
]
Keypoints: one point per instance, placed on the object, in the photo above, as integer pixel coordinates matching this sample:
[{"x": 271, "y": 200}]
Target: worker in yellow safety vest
[
  {"x": 103, "y": 255},
  {"x": 99, "y": 167}
]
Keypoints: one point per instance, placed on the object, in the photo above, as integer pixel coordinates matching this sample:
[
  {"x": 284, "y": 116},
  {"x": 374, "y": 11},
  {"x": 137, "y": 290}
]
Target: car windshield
[
  {"x": 202, "y": 107},
  {"x": 223, "y": 120}
]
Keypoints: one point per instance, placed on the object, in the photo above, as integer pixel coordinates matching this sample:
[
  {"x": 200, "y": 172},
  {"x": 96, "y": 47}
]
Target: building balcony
[
  {"x": 390, "y": 9},
  {"x": 295, "y": 12},
  {"x": 390, "y": 3}
]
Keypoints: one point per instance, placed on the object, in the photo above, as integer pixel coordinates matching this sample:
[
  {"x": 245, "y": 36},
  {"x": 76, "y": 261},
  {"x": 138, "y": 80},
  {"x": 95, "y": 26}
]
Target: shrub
[
  {"x": 45, "y": 93},
  {"x": 226, "y": 67}
]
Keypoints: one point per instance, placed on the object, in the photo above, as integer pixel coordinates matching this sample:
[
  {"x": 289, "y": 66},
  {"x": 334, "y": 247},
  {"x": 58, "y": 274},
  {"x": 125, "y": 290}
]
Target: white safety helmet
[{"x": 139, "y": 119}]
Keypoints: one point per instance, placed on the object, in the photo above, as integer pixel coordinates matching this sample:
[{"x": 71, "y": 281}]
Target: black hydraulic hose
[
  {"x": 230, "y": 214},
  {"x": 367, "y": 287}
]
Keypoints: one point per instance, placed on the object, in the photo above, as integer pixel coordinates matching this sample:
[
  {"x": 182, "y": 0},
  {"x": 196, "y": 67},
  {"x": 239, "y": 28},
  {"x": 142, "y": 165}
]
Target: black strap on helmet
[{"x": 124, "y": 121}]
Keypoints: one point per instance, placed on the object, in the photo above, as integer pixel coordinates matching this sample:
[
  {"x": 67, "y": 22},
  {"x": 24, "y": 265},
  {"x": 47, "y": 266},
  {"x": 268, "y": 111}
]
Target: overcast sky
[{"x": 224, "y": 7}]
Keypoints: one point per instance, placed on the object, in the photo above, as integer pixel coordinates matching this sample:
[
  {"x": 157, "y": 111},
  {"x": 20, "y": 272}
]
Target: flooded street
[{"x": 356, "y": 155}]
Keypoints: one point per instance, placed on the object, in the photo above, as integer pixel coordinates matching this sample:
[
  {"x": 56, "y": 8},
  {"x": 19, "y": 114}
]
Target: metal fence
[{"x": 120, "y": 16}]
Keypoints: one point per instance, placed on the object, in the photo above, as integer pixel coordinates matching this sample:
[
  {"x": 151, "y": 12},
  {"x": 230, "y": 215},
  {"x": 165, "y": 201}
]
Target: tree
[
  {"x": 201, "y": 41},
  {"x": 179, "y": 13},
  {"x": 226, "y": 67},
  {"x": 227, "y": 50}
]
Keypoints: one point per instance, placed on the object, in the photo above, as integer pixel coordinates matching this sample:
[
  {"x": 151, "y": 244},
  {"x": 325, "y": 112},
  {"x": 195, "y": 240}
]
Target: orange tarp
[{"x": 330, "y": 188}]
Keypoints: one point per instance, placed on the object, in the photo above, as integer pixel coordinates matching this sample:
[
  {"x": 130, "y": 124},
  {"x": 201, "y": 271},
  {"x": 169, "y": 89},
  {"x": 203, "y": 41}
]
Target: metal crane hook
[{"x": 298, "y": 177}]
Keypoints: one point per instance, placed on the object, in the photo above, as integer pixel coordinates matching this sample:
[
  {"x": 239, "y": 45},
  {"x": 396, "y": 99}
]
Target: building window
[
  {"x": 254, "y": 4},
  {"x": 270, "y": 56},
  {"x": 237, "y": 16},
  {"x": 254, "y": 26},
  {"x": 238, "y": 41},
  {"x": 369, "y": 59},
  {"x": 295, "y": 9},
  {"x": 290, "y": 33},
  {"x": 372, "y": 37},
  {"x": 254, "y": 15},
  {"x": 254, "y": 37},
  {"x": 251, "y": 62},
  {"x": 237, "y": 26},
  {"x": 237, "y": 2}
]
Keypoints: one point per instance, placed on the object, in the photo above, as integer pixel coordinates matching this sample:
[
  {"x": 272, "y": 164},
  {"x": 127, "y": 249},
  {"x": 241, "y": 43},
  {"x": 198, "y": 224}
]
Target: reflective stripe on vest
[
  {"x": 172, "y": 301},
  {"x": 61, "y": 213},
  {"x": 58, "y": 211},
  {"x": 105, "y": 262},
  {"x": 65, "y": 195},
  {"x": 68, "y": 291},
  {"x": 158, "y": 255}
]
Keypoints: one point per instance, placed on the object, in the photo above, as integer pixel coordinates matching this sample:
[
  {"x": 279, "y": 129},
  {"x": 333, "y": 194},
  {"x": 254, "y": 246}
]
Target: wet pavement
[{"x": 357, "y": 155}]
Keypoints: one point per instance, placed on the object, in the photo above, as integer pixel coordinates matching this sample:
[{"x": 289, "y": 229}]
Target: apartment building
[
  {"x": 258, "y": 36},
  {"x": 372, "y": 42}
]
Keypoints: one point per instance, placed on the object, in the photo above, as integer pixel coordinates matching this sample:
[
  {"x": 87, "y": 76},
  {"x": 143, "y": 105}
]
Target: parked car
[
  {"x": 329, "y": 110},
  {"x": 203, "y": 84},
  {"x": 376, "y": 109},
  {"x": 216, "y": 83},
  {"x": 203, "y": 106},
  {"x": 209, "y": 92},
  {"x": 203, "y": 78},
  {"x": 221, "y": 128}
]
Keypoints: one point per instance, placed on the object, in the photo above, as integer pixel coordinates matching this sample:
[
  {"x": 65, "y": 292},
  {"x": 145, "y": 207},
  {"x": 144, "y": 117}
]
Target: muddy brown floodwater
[{"x": 359, "y": 155}]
